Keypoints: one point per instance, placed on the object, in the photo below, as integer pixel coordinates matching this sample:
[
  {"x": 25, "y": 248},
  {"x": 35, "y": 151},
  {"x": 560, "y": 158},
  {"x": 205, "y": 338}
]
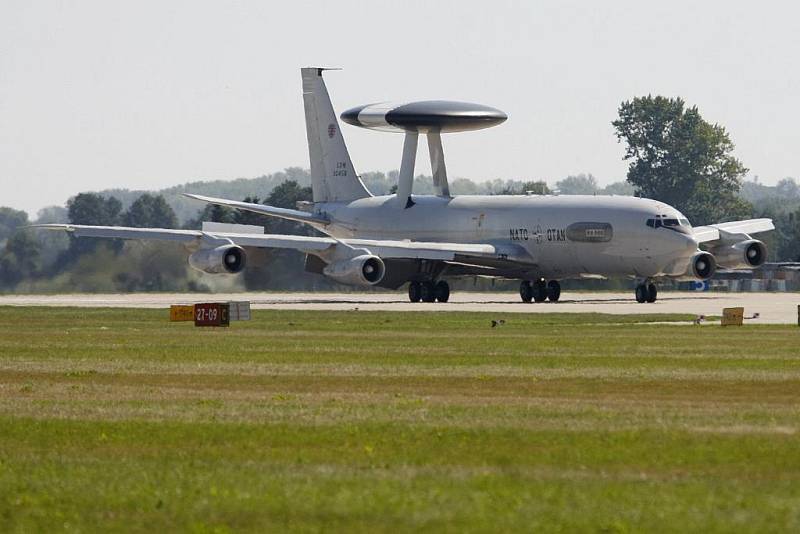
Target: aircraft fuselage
[{"x": 563, "y": 236}]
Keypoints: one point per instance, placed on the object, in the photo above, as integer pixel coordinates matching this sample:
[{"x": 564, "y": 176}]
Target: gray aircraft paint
[{"x": 537, "y": 224}]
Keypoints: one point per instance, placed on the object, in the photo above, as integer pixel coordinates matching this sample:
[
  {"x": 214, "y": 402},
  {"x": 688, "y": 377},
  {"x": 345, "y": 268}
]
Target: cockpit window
[{"x": 677, "y": 224}]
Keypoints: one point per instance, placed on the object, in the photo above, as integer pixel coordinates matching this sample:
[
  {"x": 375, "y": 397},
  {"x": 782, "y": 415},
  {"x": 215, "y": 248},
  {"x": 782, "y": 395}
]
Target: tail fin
[{"x": 333, "y": 177}]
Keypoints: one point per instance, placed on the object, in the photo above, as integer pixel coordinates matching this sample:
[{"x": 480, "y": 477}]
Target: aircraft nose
[
  {"x": 679, "y": 243},
  {"x": 688, "y": 243}
]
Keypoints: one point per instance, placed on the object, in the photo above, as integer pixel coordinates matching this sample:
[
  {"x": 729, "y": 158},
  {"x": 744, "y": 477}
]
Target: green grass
[{"x": 369, "y": 421}]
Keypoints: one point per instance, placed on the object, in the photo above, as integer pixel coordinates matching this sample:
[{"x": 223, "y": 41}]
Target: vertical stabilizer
[{"x": 333, "y": 178}]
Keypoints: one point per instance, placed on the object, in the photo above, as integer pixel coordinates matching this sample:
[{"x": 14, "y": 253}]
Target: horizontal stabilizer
[{"x": 270, "y": 211}]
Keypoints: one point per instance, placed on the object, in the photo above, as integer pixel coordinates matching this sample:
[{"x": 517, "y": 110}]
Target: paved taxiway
[{"x": 771, "y": 307}]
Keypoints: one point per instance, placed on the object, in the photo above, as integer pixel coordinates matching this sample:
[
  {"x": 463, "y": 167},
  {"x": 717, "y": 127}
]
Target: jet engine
[
  {"x": 702, "y": 265},
  {"x": 741, "y": 255},
  {"x": 364, "y": 270},
  {"x": 225, "y": 259}
]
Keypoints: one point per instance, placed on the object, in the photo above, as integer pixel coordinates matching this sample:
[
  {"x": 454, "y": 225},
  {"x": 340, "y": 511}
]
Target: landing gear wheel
[
  {"x": 525, "y": 291},
  {"x": 539, "y": 291},
  {"x": 652, "y": 292},
  {"x": 428, "y": 292},
  {"x": 442, "y": 291},
  {"x": 641, "y": 293},
  {"x": 414, "y": 291},
  {"x": 553, "y": 290}
]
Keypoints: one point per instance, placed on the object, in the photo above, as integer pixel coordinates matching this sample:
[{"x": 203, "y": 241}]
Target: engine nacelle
[
  {"x": 741, "y": 255},
  {"x": 702, "y": 266},
  {"x": 225, "y": 259},
  {"x": 364, "y": 270}
]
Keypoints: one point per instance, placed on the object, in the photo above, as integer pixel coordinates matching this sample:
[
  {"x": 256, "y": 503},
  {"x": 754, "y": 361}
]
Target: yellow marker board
[
  {"x": 180, "y": 312},
  {"x": 732, "y": 316}
]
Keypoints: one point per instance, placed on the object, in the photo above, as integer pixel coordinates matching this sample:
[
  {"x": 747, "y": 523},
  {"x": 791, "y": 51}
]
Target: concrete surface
[{"x": 772, "y": 307}]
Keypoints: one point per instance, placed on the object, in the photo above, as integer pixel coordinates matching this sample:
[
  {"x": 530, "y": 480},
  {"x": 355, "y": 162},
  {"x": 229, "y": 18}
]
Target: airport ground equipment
[
  {"x": 423, "y": 240},
  {"x": 210, "y": 313},
  {"x": 732, "y": 316}
]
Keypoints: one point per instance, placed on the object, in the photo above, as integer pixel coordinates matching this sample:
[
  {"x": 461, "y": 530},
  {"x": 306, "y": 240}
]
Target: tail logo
[{"x": 331, "y": 130}]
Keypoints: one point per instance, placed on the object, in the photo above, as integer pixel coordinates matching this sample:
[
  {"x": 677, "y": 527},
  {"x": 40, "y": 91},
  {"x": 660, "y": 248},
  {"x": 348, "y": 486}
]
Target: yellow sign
[
  {"x": 732, "y": 316},
  {"x": 179, "y": 312}
]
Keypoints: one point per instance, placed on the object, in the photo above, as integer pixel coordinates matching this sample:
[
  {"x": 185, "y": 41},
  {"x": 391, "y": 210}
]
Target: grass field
[{"x": 367, "y": 421}]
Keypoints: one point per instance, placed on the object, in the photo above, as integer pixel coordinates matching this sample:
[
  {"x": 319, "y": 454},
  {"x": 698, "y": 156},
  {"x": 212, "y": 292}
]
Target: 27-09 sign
[{"x": 211, "y": 314}]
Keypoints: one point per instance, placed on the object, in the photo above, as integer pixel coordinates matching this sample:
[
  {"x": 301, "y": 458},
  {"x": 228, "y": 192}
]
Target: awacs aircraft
[{"x": 392, "y": 240}]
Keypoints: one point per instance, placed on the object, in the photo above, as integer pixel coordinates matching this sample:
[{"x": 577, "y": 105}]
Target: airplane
[{"x": 422, "y": 240}]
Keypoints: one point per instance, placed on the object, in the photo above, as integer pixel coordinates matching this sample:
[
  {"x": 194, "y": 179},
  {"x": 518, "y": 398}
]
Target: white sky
[{"x": 147, "y": 94}]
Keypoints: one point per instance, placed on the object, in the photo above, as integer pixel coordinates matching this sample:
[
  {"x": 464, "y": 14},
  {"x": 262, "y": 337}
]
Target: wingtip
[
  {"x": 201, "y": 198},
  {"x": 51, "y": 226}
]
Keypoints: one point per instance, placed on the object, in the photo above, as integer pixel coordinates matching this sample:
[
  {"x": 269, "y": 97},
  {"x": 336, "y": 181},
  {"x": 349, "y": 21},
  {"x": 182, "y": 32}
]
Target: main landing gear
[
  {"x": 539, "y": 290},
  {"x": 646, "y": 292},
  {"x": 429, "y": 291}
]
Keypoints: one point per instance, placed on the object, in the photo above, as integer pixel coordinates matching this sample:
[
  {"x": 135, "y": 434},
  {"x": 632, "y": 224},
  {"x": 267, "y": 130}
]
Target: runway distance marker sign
[{"x": 211, "y": 314}]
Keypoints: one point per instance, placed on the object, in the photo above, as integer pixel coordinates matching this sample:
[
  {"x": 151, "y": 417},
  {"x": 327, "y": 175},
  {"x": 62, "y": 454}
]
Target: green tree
[
  {"x": 679, "y": 158},
  {"x": 91, "y": 208},
  {"x": 52, "y": 214},
  {"x": 287, "y": 194},
  {"x": 619, "y": 188},
  {"x": 515, "y": 187},
  {"x": 21, "y": 258},
  {"x": 150, "y": 211},
  {"x": 581, "y": 184},
  {"x": 252, "y": 218},
  {"x": 212, "y": 213},
  {"x": 10, "y": 220},
  {"x": 788, "y": 233}
]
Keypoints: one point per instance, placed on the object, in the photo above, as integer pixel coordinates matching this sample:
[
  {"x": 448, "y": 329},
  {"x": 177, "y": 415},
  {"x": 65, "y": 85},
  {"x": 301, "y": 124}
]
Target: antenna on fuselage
[{"x": 430, "y": 117}]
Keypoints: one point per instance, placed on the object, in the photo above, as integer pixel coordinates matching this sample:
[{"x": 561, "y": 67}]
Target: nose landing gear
[
  {"x": 646, "y": 292},
  {"x": 539, "y": 290}
]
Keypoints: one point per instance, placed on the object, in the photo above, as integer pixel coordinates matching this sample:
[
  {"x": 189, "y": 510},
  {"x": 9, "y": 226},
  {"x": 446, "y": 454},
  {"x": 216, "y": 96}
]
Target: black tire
[
  {"x": 652, "y": 292},
  {"x": 428, "y": 292},
  {"x": 414, "y": 291},
  {"x": 553, "y": 290},
  {"x": 641, "y": 293},
  {"x": 442, "y": 291},
  {"x": 539, "y": 291},
  {"x": 525, "y": 291}
]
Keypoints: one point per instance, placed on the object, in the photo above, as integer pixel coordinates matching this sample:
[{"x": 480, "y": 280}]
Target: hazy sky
[{"x": 99, "y": 94}]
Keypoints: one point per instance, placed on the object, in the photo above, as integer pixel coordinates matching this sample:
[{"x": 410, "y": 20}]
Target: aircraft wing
[
  {"x": 385, "y": 249},
  {"x": 714, "y": 232}
]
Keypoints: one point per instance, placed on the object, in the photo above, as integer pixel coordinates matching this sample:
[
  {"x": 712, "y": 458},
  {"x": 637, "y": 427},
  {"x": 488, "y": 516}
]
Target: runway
[{"x": 771, "y": 307}]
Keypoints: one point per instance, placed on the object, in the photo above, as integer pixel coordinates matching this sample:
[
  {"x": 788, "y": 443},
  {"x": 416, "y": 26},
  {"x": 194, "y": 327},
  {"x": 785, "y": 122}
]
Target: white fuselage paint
[{"x": 537, "y": 223}]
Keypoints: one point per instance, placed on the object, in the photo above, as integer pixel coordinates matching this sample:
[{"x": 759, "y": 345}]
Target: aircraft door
[{"x": 480, "y": 226}]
